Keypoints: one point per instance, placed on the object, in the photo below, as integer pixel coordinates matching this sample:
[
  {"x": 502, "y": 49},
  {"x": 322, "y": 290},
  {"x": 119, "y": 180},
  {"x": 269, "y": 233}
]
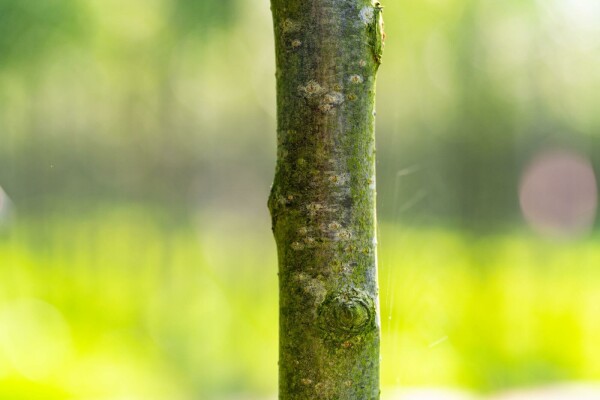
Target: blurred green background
[{"x": 137, "y": 147}]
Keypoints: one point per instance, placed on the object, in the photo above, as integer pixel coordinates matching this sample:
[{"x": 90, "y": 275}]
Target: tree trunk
[{"x": 323, "y": 198}]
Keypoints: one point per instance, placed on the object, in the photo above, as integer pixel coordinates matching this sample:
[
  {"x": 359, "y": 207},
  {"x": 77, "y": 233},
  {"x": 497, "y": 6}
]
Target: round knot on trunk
[{"x": 346, "y": 313}]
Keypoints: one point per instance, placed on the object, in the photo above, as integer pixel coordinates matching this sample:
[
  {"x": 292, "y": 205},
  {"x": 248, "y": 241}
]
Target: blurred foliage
[
  {"x": 29, "y": 29},
  {"x": 134, "y": 302},
  {"x": 158, "y": 100},
  {"x": 189, "y": 16}
]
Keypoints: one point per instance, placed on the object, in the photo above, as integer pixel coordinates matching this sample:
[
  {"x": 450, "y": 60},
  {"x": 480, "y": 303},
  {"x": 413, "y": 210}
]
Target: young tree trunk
[{"x": 323, "y": 198}]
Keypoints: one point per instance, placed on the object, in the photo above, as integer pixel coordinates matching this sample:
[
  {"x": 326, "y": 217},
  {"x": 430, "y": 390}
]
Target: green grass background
[{"x": 123, "y": 303}]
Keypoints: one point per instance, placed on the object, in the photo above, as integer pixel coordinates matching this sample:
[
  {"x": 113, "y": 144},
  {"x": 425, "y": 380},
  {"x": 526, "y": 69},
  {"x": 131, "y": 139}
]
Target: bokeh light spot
[
  {"x": 558, "y": 194},
  {"x": 5, "y": 208},
  {"x": 35, "y": 337}
]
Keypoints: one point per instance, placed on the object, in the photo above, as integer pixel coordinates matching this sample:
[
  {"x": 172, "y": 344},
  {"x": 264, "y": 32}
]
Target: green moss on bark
[{"x": 323, "y": 197}]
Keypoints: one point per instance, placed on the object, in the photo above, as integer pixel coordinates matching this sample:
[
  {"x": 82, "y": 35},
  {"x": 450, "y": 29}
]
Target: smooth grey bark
[{"x": 323, "y": 197}]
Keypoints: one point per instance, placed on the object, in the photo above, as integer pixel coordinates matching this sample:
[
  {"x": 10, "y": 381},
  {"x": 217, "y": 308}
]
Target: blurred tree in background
[{"x": 141, "y": 96}]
